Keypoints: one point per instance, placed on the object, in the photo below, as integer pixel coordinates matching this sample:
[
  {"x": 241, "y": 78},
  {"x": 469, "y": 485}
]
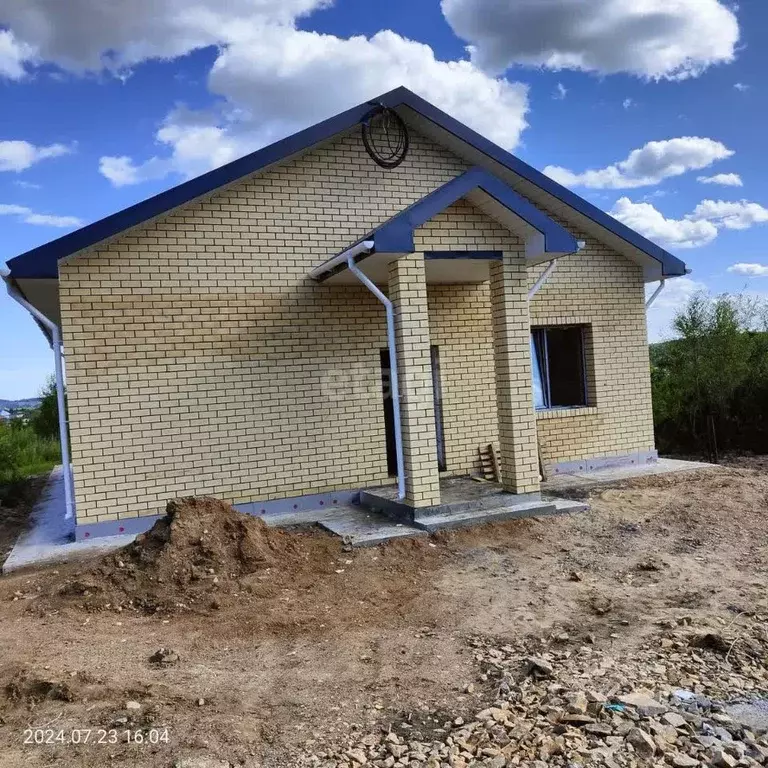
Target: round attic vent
[{"x": 385, "y": 137}]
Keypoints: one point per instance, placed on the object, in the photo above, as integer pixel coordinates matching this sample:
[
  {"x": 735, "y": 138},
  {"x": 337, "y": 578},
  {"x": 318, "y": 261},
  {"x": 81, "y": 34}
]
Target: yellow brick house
[{"x": 311, "y": 320}]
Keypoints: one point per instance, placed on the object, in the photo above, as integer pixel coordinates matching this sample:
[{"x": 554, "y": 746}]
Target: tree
[
  {"x": 711, "y": 385},
  {"x": 45, "y": 420}
]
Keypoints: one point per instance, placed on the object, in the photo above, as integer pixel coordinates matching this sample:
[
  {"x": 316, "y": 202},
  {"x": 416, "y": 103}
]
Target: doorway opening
[{"x": 389, "y": 411}]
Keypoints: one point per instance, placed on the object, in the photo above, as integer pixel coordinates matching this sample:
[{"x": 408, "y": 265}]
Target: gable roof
[
  {"x": 544, "y": 238},
  {"x": 42, "y": 262}
]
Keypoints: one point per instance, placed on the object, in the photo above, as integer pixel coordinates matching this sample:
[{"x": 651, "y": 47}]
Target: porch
[{"x": 472, "y": 230}]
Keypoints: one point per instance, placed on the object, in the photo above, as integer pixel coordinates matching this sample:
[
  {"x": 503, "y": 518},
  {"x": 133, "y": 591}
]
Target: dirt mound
[
  {"x": 24, "y": 688},
  {"x": 201, "y": 537},
  {"x": 192, "y": 558}
]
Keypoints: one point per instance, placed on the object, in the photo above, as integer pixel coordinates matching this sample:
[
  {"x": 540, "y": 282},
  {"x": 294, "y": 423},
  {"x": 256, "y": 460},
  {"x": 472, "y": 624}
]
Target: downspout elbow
[
  {"x": 655, "y": 294},
  {"x": 545, "y": 275}
]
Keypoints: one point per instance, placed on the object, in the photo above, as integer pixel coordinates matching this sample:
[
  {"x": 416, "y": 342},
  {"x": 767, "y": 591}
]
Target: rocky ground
[
  {"x": 691, "y": 696},
  {"x": 635, "y": 634}
]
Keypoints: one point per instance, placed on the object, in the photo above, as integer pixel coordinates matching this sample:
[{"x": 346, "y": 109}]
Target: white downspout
[
  {"x": 394, "y": 383},
  {"x": 59, "y": 372},
  {"x": 545, "y": 275},
  {"x": 655, "y": 294}
]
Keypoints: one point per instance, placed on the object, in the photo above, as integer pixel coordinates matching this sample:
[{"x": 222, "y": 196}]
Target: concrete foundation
[{"x": 362, "y": 518}]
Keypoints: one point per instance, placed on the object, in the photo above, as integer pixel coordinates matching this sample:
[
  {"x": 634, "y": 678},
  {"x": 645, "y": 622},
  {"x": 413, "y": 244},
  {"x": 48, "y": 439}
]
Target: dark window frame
[{"x": 542, "y": 359}]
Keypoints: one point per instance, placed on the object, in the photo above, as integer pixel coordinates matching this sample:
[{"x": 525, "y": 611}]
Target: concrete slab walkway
[
  {"x": 50, "y": 537},
  {"x": 614, "y": 474}
]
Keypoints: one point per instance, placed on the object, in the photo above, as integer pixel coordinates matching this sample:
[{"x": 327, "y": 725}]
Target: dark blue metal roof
[
  {"x": 396, "y": 234},
  {"x": 42, "y": 262}
]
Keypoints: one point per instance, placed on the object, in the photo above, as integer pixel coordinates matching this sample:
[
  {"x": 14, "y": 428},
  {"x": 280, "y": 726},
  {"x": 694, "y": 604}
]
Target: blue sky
[{"x": 99, "y": 110}]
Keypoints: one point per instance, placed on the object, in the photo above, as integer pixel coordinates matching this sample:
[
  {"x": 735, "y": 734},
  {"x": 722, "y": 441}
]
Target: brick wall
[
  {"x": 201, "y": 359},
  {"x": 605, "y": 291}
]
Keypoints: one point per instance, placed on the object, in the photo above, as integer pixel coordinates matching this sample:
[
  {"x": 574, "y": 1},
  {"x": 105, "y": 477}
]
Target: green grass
[{"x": 23, "y": 454}]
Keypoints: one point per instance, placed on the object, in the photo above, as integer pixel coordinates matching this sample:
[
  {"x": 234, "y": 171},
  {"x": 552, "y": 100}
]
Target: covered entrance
[{"x": 420, "y": 247}]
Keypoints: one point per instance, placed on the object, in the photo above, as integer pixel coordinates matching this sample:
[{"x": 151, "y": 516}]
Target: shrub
[
  {"x": 710, "y": 386},
  {"x": 45, "y": 418},
  {"x": 23, "y": 453}
]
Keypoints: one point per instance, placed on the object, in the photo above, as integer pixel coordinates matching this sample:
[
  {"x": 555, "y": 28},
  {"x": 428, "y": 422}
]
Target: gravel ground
[{"x": 418, "y": 653}]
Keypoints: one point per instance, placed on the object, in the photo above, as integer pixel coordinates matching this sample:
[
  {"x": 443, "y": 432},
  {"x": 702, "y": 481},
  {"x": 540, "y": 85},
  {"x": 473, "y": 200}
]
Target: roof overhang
[
  {"x": 42, "y": 263},
  {"x": 559, "y": 201},
  {"x": 544, "y": 239}
]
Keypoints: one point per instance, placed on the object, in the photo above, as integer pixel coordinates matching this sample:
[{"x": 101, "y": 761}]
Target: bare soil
[
  {"x": 16, "y": 504},
  {"x": 282, "y": 640}
]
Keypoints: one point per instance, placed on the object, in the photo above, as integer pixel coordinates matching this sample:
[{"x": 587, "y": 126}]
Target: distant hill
[{"x": 12, "y": 405}]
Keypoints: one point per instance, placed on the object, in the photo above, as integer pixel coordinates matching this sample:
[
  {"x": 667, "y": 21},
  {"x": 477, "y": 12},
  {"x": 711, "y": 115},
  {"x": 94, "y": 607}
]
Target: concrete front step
[
  {"x": 471, "y": 508},
  {"x": 466, "y": 518},
  {"x": 363, "y": 528}
]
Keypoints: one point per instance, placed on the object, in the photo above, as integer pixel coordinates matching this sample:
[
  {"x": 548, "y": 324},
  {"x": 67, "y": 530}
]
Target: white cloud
[
  {"x": 274, "y": 77},
  {"x": 20, "y": 155},
  {"x": 674, "y": 297},
  {"x": 26, "y": 184},
  {"x": 749, "y": 270},
  {"x": 560, "y": 92},
  {"x": 724, "y": 179},
  {"x": 277, "y": 80},
  {"x": 13, "y": 55},
  {"x": 82, "y": 35},
  {"x": 670, "y": 233},
  {"x": 730, "y": 215},
  {"x": 28, "y": 216},
  {"x": 741, "y": 87},
  {"x": 654, "y": 39},
  {"x": 628, "y": 103},
  {"x": 651, "y": 164},
  {"x": 695, "y": 229}
]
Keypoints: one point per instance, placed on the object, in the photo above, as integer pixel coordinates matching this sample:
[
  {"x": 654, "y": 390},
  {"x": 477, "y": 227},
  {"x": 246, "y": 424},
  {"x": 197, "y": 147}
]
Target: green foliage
[
  {"x": 45, "y": 418},
  {"x": 714, "y": 378},
  {"x": 23, "y": 453},
  {"x": 29, "y": 445}
]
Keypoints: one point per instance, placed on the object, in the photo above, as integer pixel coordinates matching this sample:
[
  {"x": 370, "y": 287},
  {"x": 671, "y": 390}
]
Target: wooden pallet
[{"x": 489, "y": 463}]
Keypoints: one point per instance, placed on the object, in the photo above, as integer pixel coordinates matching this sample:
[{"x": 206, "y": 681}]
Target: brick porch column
[
  {"x": 408, "y": 293},
  {"x": 512, "y": 362}
]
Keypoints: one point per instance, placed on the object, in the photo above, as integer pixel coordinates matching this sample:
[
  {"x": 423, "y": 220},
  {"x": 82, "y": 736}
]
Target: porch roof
[{"x": 543, "y": 237}]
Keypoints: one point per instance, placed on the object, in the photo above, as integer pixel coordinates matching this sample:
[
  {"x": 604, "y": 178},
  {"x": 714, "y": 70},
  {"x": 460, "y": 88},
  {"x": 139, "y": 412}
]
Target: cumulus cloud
[
  {"x": 13, "y": 55},
  {"x": 730, "y": 215},
  {"x": 560, "y": 92},
  {"x": 724, "y": 179},
  {"x": 671, "y": 233},
  {"x": 651, "y": 164},
  {"x": 20, "y": 155},
  {"x": 28, "y": 216},
  {"x": 196, "y": 144},
  {"x": 742, "y": 87},
  {"x": 274, "y": 77},
  {"x": 673, "y": 298},
  {"x": 292, "y": 76},
  {"x": 279, "y": 79},
  {"x": 695, "y": 229},
  {"x": 749, "y": 270},
  {"x": 654, "y": 39},
  {"x": 91, "y": 35}
]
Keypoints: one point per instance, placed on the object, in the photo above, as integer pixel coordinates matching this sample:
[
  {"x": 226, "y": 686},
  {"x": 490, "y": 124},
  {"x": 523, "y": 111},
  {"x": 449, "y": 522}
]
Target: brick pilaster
[
  {"x": 408, "y": 292},
  {"x": 512, "y": 363}
]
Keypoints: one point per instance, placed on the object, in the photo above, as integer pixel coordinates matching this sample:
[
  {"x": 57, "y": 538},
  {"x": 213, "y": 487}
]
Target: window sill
[{"x": 564, "y": 413}]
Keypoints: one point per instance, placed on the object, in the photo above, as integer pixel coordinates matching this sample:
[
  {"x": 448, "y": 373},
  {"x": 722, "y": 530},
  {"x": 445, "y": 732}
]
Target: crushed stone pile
[
  {"x": 190, "y": 559},
  {"x": 691, "y": 696}
]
